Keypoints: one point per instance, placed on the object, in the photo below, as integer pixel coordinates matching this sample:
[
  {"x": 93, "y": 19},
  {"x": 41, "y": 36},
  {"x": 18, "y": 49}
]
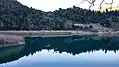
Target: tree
[{"x": 68, "y": 25}]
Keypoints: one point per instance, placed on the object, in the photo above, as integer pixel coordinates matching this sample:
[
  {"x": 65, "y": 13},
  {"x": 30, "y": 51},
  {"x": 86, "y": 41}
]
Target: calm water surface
[{"x": 74, "y": 51}]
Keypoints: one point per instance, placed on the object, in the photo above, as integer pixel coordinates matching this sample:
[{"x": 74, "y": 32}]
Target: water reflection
[
  {"x": 50, "y": 58},
  {"x": 74, "y": 46}
]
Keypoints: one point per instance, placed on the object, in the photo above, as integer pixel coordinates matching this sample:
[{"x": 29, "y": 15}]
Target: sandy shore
[
  {"x": 11, "y": 38},
  {"x": 58, "y": 32}
]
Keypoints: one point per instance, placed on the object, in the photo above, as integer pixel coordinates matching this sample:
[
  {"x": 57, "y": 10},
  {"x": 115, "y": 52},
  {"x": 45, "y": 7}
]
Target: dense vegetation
[{"x": 15, "y": 16}]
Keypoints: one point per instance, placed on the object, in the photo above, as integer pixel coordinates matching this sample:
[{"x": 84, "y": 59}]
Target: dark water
[{"x": 75, "y": 51}]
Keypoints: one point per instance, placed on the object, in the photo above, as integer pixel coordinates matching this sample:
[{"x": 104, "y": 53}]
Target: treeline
[{"x": 15, "y": 16}]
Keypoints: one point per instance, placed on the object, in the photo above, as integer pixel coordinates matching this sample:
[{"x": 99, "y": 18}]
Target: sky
[{"x": 51, "y": 5}]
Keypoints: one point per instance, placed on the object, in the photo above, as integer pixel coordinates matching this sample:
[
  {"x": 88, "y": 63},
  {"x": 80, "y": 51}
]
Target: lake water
[{"x": 73, "y": 51}]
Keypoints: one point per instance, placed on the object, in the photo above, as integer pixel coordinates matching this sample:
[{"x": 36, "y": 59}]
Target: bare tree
[{"x": 92, "y": 2}]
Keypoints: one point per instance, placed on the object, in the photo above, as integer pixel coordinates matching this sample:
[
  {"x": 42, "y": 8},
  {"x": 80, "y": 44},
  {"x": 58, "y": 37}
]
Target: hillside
[{"x": 15, "y": 16}]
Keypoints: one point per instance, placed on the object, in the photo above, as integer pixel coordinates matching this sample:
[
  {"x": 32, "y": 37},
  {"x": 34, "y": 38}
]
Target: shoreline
[
  {"x": 55, "y": 32},
  {"x": 14, "y": 38}
]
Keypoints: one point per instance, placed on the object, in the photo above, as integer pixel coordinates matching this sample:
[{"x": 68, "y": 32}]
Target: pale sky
[{"x": 51, "y": 5}]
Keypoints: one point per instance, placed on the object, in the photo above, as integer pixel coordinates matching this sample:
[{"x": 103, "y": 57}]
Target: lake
[{"x": 69, "y": 51}]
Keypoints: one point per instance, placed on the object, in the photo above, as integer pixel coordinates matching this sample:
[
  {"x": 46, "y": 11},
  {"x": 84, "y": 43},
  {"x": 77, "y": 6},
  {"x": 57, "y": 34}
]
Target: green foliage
[{"x": 15, "y": 16}]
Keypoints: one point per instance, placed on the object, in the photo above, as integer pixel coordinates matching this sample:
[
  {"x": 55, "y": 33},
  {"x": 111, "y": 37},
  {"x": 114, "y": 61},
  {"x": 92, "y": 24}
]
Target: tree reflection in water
[{"x": 73, "y": 45}]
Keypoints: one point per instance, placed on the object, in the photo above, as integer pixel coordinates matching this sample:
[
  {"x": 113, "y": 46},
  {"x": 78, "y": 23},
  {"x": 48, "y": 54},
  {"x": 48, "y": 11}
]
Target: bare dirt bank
[{"x": 12, "y": 38}]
